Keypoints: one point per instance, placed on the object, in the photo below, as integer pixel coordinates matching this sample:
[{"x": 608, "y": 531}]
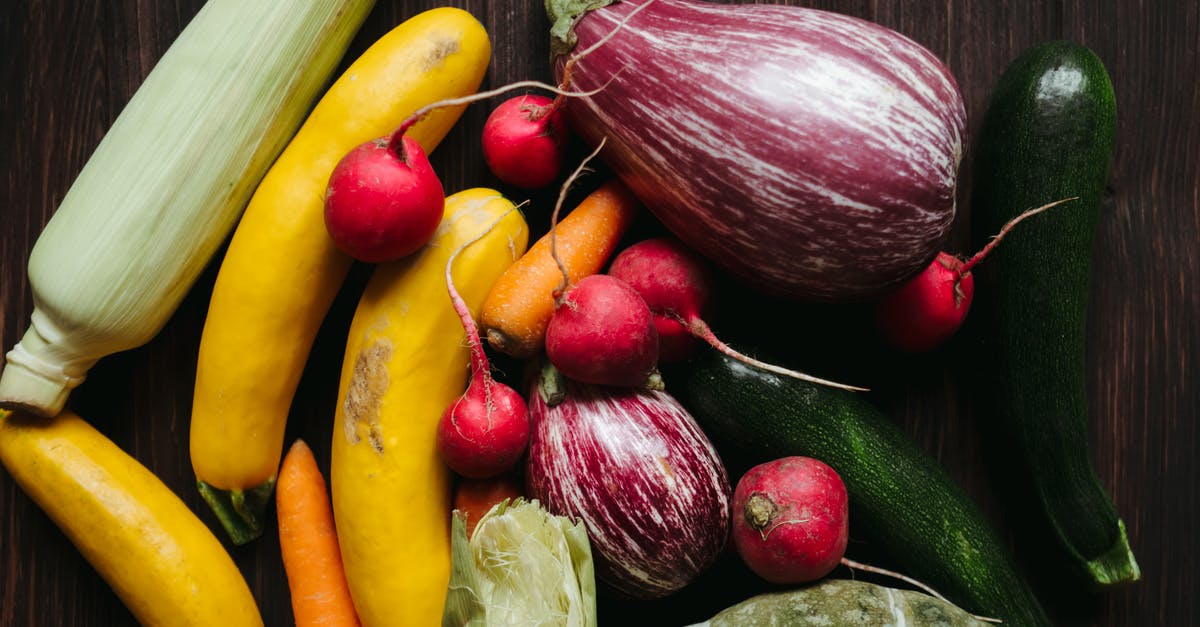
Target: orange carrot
[
  {"x": 520, "y": 304},
  {"x": 308, "y": 543},
  {"x": 475, "y": 497}
]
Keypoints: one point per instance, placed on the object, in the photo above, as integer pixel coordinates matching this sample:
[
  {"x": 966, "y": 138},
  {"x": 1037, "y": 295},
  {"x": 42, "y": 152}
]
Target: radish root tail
[
  {"x": 1008, "y": 226},
  {"x": 484, "y": 95},
  {"x": 479, "y": 361},
  {"x": 562, "y": 196},
  {"x": 700, "y": 329},
  {"x": 853, "y": 565}
]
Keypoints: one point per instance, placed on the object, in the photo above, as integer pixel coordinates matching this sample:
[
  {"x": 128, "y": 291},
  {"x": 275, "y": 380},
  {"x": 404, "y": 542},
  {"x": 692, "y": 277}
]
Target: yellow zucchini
[
  {"x": 167, "y": 183},
  {"x": 160, "y": 559},
  {"x": 282, "y": 271},
  {"x": 406, "y": 361}
]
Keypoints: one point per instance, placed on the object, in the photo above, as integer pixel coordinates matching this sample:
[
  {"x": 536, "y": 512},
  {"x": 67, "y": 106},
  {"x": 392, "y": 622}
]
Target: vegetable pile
[{"x": 627, "y": 453}]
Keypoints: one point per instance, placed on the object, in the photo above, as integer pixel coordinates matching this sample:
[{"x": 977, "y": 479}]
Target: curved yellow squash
[
  {"x": 406, "y": 361},
  {"x": 282, "y": 271},
  {"x": 159, "y": 558}
]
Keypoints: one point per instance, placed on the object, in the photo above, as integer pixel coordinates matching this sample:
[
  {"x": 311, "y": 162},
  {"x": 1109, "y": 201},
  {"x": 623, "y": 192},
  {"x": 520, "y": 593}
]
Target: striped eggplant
[
  {"x": 813, "y": 155},
  {"x": 635, "y": 467}
]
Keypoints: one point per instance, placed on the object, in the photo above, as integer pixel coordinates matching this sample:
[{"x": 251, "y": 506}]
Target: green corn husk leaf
[{"x": 521, "y": 566}]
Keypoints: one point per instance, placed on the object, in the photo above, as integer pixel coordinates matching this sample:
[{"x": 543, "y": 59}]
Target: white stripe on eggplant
[
  {"x": 643, "y": 478},
  {"x": 758, "y": 176}
]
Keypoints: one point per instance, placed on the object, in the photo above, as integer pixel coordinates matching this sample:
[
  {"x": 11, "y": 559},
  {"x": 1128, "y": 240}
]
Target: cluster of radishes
[
  {"x": 485, "y": 433},
  {"x": 384, "y": 202}
]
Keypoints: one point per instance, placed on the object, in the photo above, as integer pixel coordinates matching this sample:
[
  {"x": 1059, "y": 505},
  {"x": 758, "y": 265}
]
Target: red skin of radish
[
  {"x": 675, "y": 284},
  {"x": 928, "y": 309},
  {"x": 603, "y": 333},
  {"x": 478, "y": 441},
  {"x": 384, "y": 200},
  {"x": 522, "y": 145},
  {"x": 791, "y": 520}
]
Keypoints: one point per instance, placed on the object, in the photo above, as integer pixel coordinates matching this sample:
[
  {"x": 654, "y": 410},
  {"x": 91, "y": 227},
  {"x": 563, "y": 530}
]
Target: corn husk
[
  {"x": 521, "y": 566},
  {"x": 168, "y": 182}
]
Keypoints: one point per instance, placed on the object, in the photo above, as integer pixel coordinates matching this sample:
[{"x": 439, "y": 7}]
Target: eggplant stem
[
  {"x": 570, "y": 64},
  {"x": 562, "y": 196}
]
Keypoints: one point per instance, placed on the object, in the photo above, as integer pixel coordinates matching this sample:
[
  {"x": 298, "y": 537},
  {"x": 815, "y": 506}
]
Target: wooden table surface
[{"x": 67, "y": 68}]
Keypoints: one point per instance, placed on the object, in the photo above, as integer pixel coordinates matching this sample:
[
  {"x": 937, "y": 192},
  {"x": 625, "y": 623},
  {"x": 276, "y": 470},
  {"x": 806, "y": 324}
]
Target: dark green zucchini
[
  {"x": 900, "y": 498},
  {"x": 1048, "y": 134}
]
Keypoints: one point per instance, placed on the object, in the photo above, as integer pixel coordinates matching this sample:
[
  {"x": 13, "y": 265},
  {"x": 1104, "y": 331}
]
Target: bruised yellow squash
[
  {"x": 282, "y": 271},
  {"x": 406, "y": 361}
]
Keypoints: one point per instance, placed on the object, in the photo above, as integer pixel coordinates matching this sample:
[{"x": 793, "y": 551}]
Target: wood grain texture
[{"x": 67, "y": 68}]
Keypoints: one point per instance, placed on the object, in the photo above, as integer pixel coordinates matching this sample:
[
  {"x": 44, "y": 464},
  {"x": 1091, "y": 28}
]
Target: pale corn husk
[
  {"x": 168, "y": 182},
  {"x": 521, "y": 566}
]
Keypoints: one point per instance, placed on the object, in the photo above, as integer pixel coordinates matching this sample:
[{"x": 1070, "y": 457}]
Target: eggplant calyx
[{"x": 563, "y": 16}]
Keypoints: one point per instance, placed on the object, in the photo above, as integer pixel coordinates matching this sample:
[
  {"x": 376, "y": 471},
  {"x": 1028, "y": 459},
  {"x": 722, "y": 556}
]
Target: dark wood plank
[{"x": 66, "y": 69}]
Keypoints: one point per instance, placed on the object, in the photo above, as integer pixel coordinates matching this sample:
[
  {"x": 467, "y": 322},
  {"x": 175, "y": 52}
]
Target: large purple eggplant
[
  {"x": 812, "y": 154},
  {"x": 637, "y": 470}
]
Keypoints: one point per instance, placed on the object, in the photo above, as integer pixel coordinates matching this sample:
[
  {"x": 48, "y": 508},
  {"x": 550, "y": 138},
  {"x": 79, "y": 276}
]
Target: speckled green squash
[
  {"x": 1048, "y": 134},
  {"x": 844, "y": 603}
]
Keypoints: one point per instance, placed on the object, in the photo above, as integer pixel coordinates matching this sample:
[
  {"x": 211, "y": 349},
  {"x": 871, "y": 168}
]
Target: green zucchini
[
  {"x": 1049, "y": 133},
  {"x": 900, "y": 498}
]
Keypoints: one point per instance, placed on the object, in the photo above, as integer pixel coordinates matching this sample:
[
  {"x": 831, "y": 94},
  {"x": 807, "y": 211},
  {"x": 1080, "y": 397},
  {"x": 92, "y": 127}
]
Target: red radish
[
  {"x": 484, "y": 432},
  {"x": 677, "y": 286},
  {"x": 791, "y": 519},
  {"x": 524, "y": 140},
  {"x": 929, "y": 308},
  {"x": 384, "y": 200},
  {"x": 603, "y": 333}
]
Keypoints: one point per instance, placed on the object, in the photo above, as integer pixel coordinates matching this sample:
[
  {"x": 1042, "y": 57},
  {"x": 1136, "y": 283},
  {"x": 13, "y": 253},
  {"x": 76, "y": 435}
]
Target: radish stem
[
  {"x": 479, "y": 361},
  {"x": 484, "y": 95},
  {"x": 570, "y": 64},
  {"x": 1008, "y": 226},
  {"x": 853, "y": 565},
  {"x": 562, "y": 195},
  {"x": 700, "y": 329}
]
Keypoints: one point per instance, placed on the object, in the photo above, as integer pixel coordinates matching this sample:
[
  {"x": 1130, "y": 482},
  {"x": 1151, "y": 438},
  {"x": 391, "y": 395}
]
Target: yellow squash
[
  {"x": 406, "y": 361},
  {"x": 282, "y": 271},
  {"x": 159, "y": 558}
]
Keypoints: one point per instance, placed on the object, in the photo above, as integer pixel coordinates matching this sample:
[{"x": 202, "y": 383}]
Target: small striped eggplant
[
  {"x": 814, "y": 155},
  {"x": 635, "y": 467}
]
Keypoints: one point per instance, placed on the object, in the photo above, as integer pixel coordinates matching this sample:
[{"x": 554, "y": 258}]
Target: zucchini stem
[{"x": 241, "y": 512}]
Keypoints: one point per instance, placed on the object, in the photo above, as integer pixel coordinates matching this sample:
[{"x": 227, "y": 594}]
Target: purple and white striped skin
[
  {"x": 812, "y": 154},
  {"x": 637, "y": 470}
]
